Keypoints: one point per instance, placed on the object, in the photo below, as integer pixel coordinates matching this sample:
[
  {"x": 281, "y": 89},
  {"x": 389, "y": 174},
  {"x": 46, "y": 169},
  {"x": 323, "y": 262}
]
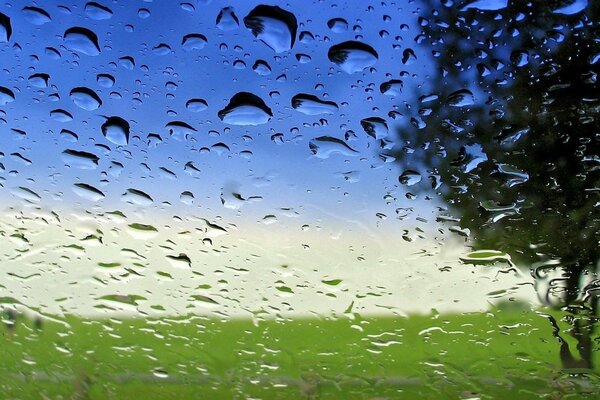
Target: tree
[{"x": 511, "y": 141}]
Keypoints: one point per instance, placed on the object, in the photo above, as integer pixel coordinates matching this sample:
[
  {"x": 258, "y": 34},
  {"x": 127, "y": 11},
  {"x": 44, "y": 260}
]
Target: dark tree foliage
[{"x": 511, "y": 139}]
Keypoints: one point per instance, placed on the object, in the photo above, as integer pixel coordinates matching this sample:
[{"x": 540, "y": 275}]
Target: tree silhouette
[{"x": 510, "y": 139}]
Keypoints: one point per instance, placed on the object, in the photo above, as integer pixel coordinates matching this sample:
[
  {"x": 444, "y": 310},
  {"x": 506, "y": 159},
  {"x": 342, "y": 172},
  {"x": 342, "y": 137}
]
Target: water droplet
[
  {"x": 85, "y": 98},
  {"x": 352, "y": 56},
  {"x": 338, "y": 25},
  {"x": 575, "y": 7},
  {"x": 6, "y": 96},
  {"x": 312, "y": 105},
  {"x": 187, "y": 198},
  {"x": 36, "y": 16},
  {"x": 61, "y": 115},
  {"x": 82, "y": 40},
  {"x": 324, "y": 146},
  {"x": 461, "y": 98},
  {"x": 137, "y": 197},
  {"x": 196, "y": 105},
  {"x": 39, "y": 80},
  {"x": 245, "y": 109},
  {"x": 274, "y": 26},
  {"x": 105, "y": 80},
  {"x": 485, "y": 257},
  {"x": 193, "y": 41},
  {"x": 227, "y": 20},
  {"x": 5, "y": 28},
  {"x": 116, "y": 130},
  {"x": 98, "y": 11},
  {"x": 409, "y": 177},
  {"x": 80, "y": 159},
  {"x": 87, "y": 192},
  {"x": 391, "y": 88},
  {"x": 261, "y": 68},
  {"x": 375, "y": 127},
  {"x": 485, "y": 5}
]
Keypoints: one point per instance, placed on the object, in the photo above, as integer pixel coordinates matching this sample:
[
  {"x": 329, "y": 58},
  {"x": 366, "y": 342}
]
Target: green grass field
[{"x": 500, "y": 354}]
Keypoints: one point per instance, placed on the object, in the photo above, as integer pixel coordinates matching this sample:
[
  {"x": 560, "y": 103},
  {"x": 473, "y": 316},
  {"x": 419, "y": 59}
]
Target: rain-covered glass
[{"x": 318, "y": 199}]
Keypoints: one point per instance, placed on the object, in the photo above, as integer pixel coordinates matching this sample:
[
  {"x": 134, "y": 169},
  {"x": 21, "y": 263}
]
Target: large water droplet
[
  {"x": 5, "y": 28},
  {"x": 85, "y": 98},
  {"x": 375, "y": 127},
  {"x": 409, "y": 177},
  {"x": 274, "y": 26},
  {"x": 137, "y": 197},
  {"x": 36, "y": 16},
  {"x": 80, "y": 159},
  {"x": 352, "y": 56},
  {"x": 227, "y": 20},
  {"x": 338, "y": 25},
  {"x": 245, "y": 109},
  {"x": 196, "y": 105},
  {"x": 6, "y": 96},
  {"x": 105, "y": 80},
  {"x": 312, "y": 105},
  {"x": 461, "y": 98},
  {"x": 193, "y": 41},
  {"x": 39, "y": 80},
  {"x": 88, "y": 192},
  {"x": 116, "y": 130},
  {"x": 391, "y": 88},
  {"x": 485, "y": 5},
  {"x": 82, "y": 40},
  {"x": 97, "y": 11},
  {"x": 575, "y": 7},
  {"x": 325, "y": 146}
]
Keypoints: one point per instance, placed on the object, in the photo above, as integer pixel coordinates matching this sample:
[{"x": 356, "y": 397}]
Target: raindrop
[
  {"x": 6, "y": 96},
  {"x": 338, "y": 25},
  {"x": 245, "y": 109},
  {"x": 485, "y": 257},
  {"x": 61, "y": 115},
  {"x": 80, "y": 159},
  {"x": 36, "y": 16},
  {"x": 105, "y": 80},
  {"x": 409, "y": 178},
  {"x": 461, "y": 98},
  {"x": 82, "y": 40},
  {"x": 116, "y": 130},
  {"x": 261, "y": 68},
  {"x": 88, "y": 192},
  {"x": 227, "y": 20},
  {"x": 196, "y": 105},
  {"x": 5, "y": 28},
  {"x": 85, "y": 98},
  {"x": 324, "y": 146},
  {"x": 391, "y": 88},
  {"x": 39, "y": 80},
  {"x": 137, "y": 197},
  {"x": 97, "y": 11},
  {"x": 187, "y": 198},
  {"x": 274, "y": 26},
  {"x": 162, "y": 49},
  {"x": 575, "y": 7},
  {"x": 352, "y": 56},
  {"x": 193, "y": 41},
  {"x": 485, "y": 5},
  {"x": 375, "y": 127},
  {"x": 312, "y": 105}
]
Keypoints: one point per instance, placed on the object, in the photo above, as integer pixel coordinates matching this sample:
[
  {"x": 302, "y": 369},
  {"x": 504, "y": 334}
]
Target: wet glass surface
[{"x": 311, "y": 200}]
